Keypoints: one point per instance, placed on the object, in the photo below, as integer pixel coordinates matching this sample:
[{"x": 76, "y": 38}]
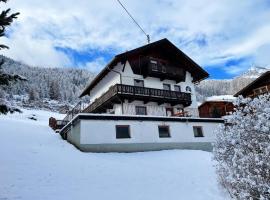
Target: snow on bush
[{"x": 242, "y": 150}]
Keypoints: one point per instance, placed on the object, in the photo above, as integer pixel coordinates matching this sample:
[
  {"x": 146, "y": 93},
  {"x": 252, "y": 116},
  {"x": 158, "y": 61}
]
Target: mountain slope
[
  {"x": 61, "y": 84},
  {"x": 213, "y": 87}
]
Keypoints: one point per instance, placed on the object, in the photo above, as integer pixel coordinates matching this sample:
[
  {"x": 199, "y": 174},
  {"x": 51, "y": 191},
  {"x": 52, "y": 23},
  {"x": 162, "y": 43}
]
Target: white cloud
[
  {"x": 229, "y": 29},
  {"x": 95, "y": 65}
]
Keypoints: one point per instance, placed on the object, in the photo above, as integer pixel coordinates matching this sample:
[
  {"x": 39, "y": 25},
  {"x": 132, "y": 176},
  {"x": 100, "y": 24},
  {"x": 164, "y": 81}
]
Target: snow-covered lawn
[{"x": 35, "y": 163}]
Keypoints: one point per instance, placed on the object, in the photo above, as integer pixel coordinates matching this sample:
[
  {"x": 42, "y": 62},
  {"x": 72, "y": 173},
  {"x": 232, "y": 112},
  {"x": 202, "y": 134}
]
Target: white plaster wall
[
  {"x": 152, "y": 108},
  {"x": 109, "y": 80},
  {"x": 103, "y": 131}
]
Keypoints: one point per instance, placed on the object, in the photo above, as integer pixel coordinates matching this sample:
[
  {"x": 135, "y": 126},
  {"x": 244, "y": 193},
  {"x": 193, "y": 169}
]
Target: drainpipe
[{"x": 120, "y": 76}]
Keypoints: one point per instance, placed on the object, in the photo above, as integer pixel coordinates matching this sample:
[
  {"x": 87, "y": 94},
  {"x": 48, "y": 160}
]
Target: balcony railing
[
  {"x": 77, "y": 109},
  {"x": 140, "y": 93}
]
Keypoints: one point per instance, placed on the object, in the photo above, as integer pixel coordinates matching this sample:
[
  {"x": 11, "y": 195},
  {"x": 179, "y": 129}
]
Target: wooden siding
[{"x": 215, "y": 109}]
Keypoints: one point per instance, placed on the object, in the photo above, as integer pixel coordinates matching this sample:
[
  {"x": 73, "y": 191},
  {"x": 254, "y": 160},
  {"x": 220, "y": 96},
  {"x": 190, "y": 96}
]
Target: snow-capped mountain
[
  {"x": 253, "y": 72},
  {"x": 210, "y": 87}
]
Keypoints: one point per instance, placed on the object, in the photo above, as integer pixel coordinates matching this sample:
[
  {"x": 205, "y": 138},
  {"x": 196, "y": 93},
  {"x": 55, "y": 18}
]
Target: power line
[{"x": 147, "y": 36}]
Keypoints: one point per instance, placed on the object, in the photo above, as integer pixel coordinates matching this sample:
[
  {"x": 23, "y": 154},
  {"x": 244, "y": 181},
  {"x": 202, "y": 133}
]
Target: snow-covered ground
[{"x": 35, "y": 163}]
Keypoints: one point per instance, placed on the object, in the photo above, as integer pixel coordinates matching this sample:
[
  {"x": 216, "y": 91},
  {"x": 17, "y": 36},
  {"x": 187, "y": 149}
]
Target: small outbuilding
[
  {"x": 216, "y": 106},
  {"x": 215, "y": 109}
]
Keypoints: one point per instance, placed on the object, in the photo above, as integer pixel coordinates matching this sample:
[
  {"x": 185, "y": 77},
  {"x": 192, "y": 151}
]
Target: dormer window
[
  {"x": 188, "y": 89},
  {"x": 154, "y": 65}
]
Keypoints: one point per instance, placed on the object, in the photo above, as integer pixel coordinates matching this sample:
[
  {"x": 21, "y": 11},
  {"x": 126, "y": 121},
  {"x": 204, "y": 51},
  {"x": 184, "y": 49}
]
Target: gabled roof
[
  {"x": 253, "y": 84},
  {"x": 165, "y": 45}
]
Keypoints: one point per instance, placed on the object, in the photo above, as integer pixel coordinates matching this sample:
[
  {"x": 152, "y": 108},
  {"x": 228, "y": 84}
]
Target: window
[
  {"x": 163, "y": 67},
  {"x": 140, "y": 110},
  {"x": 122, "y": 131},
  {"x": 197, "y": 131},
  {"x": 264, "y": 89},
  {"x": 188, "y": 89},
  {"x": 177, "y": 88},
  {"x": 164, "y": 131},
  {"x": 257, "y": 91},
  {"x": 139, "y": 83},
  {"x": 166, "y": 86},
  {"x": 154, "y": 65}
]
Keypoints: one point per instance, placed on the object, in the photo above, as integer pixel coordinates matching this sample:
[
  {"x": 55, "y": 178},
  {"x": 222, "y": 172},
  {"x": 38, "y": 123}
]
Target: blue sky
[{"x": 224, "y": 37}]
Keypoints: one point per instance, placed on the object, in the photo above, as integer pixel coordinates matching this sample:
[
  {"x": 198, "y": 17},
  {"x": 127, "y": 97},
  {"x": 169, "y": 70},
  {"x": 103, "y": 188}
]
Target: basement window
[
  {"x": 164, "y": 131},
  {"x": 198, "y": 132},
  {"x": 122, "y": 131}
]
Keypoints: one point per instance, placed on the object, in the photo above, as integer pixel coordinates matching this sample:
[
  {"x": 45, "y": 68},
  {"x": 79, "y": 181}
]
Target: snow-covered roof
[{"x": 227, "y": 98}]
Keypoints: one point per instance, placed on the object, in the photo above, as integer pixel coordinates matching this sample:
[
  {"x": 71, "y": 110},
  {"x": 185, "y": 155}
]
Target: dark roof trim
[
  {"x": 123, "y": 57},
  {"x": 252, "y": 83},
  {"x": 147, "y": 118}
]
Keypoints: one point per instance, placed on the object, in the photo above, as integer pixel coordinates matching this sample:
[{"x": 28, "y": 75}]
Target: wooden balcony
[
  {"x": 119, "y": 92},
  {"x": 162, "y": 69}
]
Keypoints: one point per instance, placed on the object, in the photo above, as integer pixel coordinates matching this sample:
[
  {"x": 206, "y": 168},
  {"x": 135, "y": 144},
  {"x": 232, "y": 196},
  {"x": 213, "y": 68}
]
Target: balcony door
[{"x": 169, "y": 112}]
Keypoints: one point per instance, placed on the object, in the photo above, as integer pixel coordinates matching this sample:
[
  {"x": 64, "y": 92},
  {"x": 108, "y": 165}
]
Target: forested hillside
[{"x": 60, "y": 84}]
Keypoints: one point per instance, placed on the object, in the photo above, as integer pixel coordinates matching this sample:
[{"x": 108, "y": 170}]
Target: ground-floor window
[
  {"x": 140, "y": 110},
  {"x": 122, "y": 131},
  {"x": 164, "y": 131},
  {"x": 198, "y": 132}
]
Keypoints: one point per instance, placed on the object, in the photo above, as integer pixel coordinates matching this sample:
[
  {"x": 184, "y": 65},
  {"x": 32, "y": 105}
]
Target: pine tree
[
  {"x": 5, "y": 20},
  {"x": 54, "y": 91},
  {"x": 33, "y": 95}
]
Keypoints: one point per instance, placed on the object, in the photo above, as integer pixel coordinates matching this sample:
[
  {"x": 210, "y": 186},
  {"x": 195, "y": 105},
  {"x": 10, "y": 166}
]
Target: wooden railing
[
  {"x": 136, "y": 91},
  {"x": 99, "y": 101},
  {"x": 77, "y": 109}
]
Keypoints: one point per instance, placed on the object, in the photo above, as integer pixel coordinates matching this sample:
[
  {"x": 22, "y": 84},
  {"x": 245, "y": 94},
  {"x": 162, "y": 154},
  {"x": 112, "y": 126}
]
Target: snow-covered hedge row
[{"x": 242, "y": 150}]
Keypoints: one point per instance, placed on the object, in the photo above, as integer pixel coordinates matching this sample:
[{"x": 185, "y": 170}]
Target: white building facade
[
  {"x": 121, "y": 133},
  {"x": 162, "y": 75},
  {"x": 144, "y": 99}
]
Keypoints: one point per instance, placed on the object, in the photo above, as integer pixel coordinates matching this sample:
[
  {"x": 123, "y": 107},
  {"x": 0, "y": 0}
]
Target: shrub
[{"x": 242, "y": 150}]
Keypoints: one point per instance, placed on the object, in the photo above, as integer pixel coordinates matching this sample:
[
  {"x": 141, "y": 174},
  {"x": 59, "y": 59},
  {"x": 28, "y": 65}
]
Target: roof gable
[{"x": 162, "y": 47}]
